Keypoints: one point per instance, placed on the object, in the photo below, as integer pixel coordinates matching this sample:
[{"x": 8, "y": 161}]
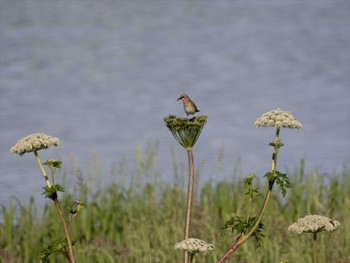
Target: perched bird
[{"x": 189, "y": 106}]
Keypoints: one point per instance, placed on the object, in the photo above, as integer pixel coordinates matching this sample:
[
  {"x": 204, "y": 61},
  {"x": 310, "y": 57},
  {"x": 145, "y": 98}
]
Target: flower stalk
[
  {"x": 187, "y": 256},
  {"x": 34, "y": 143},
  {"x": 37, "y": 158},
  {"x": 186, "y": 132},
  {"x": 54, "y": 198},
  {"x": 278, "y": 119},
  {"x": 315, "y": 247},
  {"x": 71, "y": 256},
  {"x": 244, "y": 237},
  {"x": 189, "y": 193}
]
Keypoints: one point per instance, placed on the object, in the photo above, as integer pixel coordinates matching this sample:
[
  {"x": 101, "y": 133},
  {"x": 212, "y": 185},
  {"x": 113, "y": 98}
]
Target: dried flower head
[
  {"x": 194, "y": 245},
  {"x": 278, "y": 118},
  {"x": 34, "y": 142},
  {"x": 186, "y": 131},
  {"x": 313, "y": 224}
]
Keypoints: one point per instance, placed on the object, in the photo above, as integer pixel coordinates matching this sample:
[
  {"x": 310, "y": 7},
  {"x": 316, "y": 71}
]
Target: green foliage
[
  {"x": 141, "y": 221},
  {"x": 54, "y": 248},
  {"x": 281, "y": 180},
  {"x": 277, "y": 143},
  {"x": 51, "y": 192},
  {"x": 75, "y": 210},
  {"x": 242, "y": 225},
  {"x": 251, "y": 192},
  {"x": 52, "y": 163}
]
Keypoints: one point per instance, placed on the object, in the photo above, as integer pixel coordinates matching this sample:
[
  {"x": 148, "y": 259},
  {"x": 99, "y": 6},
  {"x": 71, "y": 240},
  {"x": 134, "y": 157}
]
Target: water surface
[{"x": 101, "y": 75}]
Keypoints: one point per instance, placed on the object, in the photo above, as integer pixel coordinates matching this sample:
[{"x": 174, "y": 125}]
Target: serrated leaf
[
  {"x": 50, "y": 192},
  {"x": 270, "y": 175},
  {"x": 58, "y": 188},
  {"x": 54, "y": 248},
  {"x": 283, "y": 182}
]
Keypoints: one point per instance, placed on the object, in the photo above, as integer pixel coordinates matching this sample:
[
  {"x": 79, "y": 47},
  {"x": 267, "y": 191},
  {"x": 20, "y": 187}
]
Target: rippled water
[{"x": 101, "y": 75}]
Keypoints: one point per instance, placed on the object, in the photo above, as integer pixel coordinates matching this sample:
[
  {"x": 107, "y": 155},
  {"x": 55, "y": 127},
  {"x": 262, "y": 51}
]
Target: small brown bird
[{"x": 189, "y": 106}]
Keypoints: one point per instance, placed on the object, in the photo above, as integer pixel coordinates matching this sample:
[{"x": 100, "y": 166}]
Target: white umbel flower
[
  {"x": 313, "y": 224},
  {"x": 34, "y": 142},
  {"x": 278, "y": 118},
  {"x": 194, "y": 245}
]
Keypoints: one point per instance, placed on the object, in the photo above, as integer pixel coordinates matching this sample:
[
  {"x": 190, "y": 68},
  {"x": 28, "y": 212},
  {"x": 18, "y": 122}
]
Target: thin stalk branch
[
  {"x": 315, "y": 247},
  {"x": 189, "y": 199},
  {"x": 42, "y": 169},
  {"x": 240, "y": 240},
  {"x": 59, "y": 210},
  {"x": 66, "y": 229}
]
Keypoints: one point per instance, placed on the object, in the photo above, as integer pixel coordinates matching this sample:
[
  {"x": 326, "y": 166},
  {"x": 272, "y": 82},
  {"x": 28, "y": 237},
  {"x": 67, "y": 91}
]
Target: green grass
[{"x": 140, "y": 221}]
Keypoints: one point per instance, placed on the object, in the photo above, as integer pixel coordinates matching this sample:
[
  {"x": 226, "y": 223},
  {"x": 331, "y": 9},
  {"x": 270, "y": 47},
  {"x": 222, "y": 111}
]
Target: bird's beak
[{"x": 180, "y": 98}]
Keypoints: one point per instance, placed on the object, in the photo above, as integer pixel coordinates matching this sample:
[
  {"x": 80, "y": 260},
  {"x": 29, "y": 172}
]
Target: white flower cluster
[
  {"x": 194, "y": 245},
  {"x": 313, "y": 224},
  {"x": 34, "y": 142},
  {"x": 278, "y": 118}
]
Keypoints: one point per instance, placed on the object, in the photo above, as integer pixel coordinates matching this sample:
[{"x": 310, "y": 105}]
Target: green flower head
[
  {"x": 194, "y": 245},
  {"x": 313, "y": 224},
  {"x": 278, "y": 118},
  {"x": 186, "y": 131},
  {"x": 34, "y": 142},
  {"x": 53, "y": 163}
]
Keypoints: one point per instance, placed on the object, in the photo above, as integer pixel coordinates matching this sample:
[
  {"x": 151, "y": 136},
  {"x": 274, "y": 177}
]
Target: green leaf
[
  {"x": 53, "y": 163},
  {"x": 58, "y": 188},
  {"x": 56, "y": 247},
  {"x": 283, "y": 182},
  {"x": 258, "y": 235},
  {"x": 276, "y": 143},
  {"x": 76, "y": 210},
  {"x": 248, "y": 179},
  {"x": 51, "y": 192},
  {"x": 242, "y": 225},
  {"x": 270, "y": 175}
]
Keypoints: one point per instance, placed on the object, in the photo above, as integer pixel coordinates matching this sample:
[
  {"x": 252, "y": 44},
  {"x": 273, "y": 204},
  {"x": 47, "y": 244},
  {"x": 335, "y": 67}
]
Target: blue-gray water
[{"x": 101, "y": 75}]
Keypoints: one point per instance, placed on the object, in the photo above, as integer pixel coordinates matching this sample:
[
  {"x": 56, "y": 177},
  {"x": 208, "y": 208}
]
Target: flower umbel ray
[{"x": 185, "y": 131}]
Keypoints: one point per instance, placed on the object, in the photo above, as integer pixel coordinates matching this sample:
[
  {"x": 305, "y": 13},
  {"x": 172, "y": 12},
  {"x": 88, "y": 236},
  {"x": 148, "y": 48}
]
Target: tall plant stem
[
  {"x": 315, "y": 247},
  {"x": 241, "y": 239},
  {"x": 42, "y": 168},
  {"x": 277, "y": 145},
  {"x": 66, "y": 229},
  {"x": 189, "y": 198},
  {"x": 59, "y": 210}
]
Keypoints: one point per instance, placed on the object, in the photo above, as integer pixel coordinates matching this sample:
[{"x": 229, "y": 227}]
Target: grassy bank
[{"x": 141, "y": 222}]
